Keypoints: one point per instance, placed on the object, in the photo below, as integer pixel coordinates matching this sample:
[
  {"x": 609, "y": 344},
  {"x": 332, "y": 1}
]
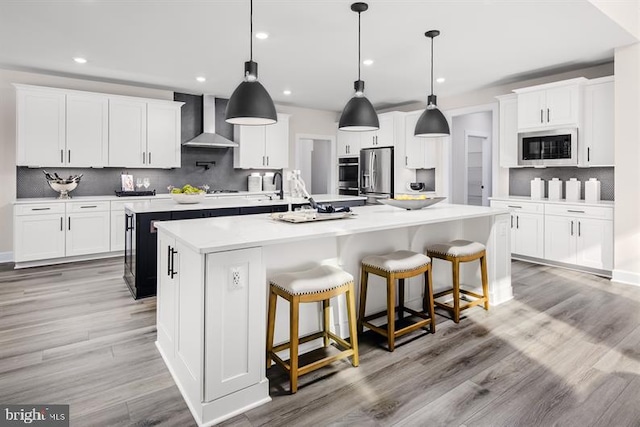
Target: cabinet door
[
  {"x": 414, "y": 147},
  {"x": 88, "y": 233},
  {"x": 348, "y": 143},
  {"x": 127, "y": 132},
  {"x": 38, "y": 237},
  {"x": 531, "y": 106},
  {"x": 598, "y": 134},
  {"x": 562, "y": 106},
  {"x": 87, "y": 130},
  {"x": 118, "y": 230},
  {"x": 559, "y": 239},
  {"x": 529, "y": 235},
  {"x": 235, "y": 322},
  {"x": 277, "y": 143},
  {"x": 40, "y": 128},
  {"x": 385, "y": 136},
  {"x": 594, "y": 246},
  {"x": 250, "y": 153},
  {"x": 167, "y": 295},
  {"x": 367, "y": 139},
  {"x": 509, "y": 132},
  {"x": 163, "y": 135}
]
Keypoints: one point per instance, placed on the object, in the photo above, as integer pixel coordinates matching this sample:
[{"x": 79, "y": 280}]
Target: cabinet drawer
[
  {"x": 578, "y": 211},
  {"x": 73, "y": 207},
  {"x": 39, "y": 209},
  {"x": 518, "y": 206}
]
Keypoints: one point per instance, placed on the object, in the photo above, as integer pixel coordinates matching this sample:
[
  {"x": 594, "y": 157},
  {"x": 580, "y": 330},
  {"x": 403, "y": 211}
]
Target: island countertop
[{"x": 230, "y": 233}]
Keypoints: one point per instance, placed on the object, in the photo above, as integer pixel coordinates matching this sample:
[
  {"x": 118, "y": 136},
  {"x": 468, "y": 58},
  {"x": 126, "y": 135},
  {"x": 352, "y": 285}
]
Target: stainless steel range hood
[{"x": 209, "y": 137}]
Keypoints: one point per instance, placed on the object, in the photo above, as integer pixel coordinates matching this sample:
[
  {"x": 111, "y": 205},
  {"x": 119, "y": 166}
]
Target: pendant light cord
[
  {"x": 251, "y": 32},
  {"x": 431, "y": 65},
  {"x": 358, "y": 45}
]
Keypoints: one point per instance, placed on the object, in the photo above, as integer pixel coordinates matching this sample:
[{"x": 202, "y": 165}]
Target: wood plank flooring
[{"x": 564, "y": 352}]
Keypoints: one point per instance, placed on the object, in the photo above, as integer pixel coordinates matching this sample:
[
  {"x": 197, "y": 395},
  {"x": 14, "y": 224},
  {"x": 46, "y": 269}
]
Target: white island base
[{"x": 213, "y": 284}]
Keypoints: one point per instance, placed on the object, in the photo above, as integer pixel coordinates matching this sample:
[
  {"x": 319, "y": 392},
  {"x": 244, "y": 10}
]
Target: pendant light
[
  {"x": 250, "y": 103},
  {"x": 432, "y": 122},
  {"x": 358, "y": 114}
]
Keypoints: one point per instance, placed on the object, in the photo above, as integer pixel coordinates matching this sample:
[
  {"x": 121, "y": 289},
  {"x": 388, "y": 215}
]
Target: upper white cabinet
[
  {"x": 262, "y": 147},
  {"x": 550, "y": 106},
  {"x": 40, "y": 127},
  {"x": 348, "y": 143},
  {"x": 597, "y": 137},
  {"x": 383, "y": 137},
  {"x": 508, "y": 131},
  {"x": 68, "y": 128},
  {"x": 420, "y": 153}
]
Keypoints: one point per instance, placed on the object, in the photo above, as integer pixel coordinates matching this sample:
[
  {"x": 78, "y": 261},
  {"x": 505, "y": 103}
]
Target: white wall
[{"x": 320, "y": 170}]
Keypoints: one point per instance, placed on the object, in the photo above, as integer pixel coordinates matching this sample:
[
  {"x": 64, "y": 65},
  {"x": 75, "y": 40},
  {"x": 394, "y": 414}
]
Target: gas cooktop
[{"x": 223, "y": 191}]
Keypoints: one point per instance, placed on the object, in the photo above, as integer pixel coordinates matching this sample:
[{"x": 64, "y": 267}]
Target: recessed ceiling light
[
  {"x": 262, "y": 36},
  {"x": 440, "y": 79},
  {"x": 287, "y": 92},
  {"x": 80, "y": 60},
  {"x": 368, "y": 62},
  {"x": 201, "y": 79}
]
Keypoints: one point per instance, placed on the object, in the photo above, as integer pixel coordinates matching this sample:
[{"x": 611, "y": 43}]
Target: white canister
[
  {"x": 267, "y": 182},
  {"x": 255, "y": 182},
  {"x": 592, "y": 190},
  {"x": 572, "y": 189},
  {"x": 537, "y": 188},
  {"x": 555, "y": 189}
]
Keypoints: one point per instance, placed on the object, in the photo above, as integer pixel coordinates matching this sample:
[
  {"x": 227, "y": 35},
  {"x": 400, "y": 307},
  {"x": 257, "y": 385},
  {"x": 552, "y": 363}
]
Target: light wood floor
[{"x": 565, "y": 352}]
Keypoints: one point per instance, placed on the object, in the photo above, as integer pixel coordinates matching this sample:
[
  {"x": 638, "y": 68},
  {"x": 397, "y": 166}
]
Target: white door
[
  {"x": 163, "y": 135},
  {"x": 594, "y": 244},
  {"x": 277, "y": 143},
  {"x": 127, "y": 132},
  {"x": 167, "y": 296},
  {"x": 39, "y": 237},
  {"x": 531, "y": 107},
  {"x": 87, "y": 130},
  {"x": 478, "y": 170},
  {"x": 529, "y": 230},
  {"x": 88, "y": 233},
  {"x": 40, "y": 128},
  {"x": 562, "y": 106},
  {"x": 559, "y": 239}
]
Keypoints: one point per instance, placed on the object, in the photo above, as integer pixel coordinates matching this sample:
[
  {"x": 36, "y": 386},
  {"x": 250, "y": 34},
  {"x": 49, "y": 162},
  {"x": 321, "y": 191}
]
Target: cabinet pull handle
[
  {"x": 588, "y": 154},
  {"x": 40, "y": 209},
  {"x": 61, "y": 224},
  {"x": 541, "y": 116},
  {"x": 173, "y": 261},
  {"x": 144, "y": 157},
  {"x": 579, "y": 232},
  {"x": 69, "y": 156},
  {"x": 69, "y": 223},
  {"x": 514, "y": 206},
  {"x": 262, "y": 160},
  {"x": 406, "y": 160},
  {"x": 61, "y": 156},
  {"x": 267, "y": 160},
  {"x": 168, "y": 260},
  {"x": 88, "y": 206},
  {"x": 548, "y": 116},
  {"x": 571, "y": 210},
  {"x": 512, "y": 222},
  {"x": 517, "y": 222},
  {"x": 149, "y": 157},
  {"x": 572, "y": 228}
]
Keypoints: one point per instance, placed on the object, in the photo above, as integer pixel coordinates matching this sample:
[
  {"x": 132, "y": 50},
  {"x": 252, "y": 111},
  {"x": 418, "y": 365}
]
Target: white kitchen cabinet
[
  {"x": 41, "y": 129},
  {"x": 39, "y": 232},
  {"x": 383, "y": 137},
  {"x": 508, "y": 131},
  {"x": 88, "y": 228},
  {"x": 163, "y": 134},
  {"x": 420, "y": 153},
  {"x": 87, "y": 141},
  {"x": 597, "y": 136},
  {"x": 559, "y": 239},
  {"x": 117, "y": 227},
  {"x": 527, "y": 227},
  {"x": 167, "y": 295},
  {"x": 262, "y": 147},
  {"x": 550, "y": 106},
  {"x": 348, "y": 143},
  {"x": 127, "y": 132}
]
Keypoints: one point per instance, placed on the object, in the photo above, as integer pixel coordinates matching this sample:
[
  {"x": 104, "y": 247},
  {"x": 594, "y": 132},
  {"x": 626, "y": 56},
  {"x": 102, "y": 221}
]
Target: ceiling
[{"x": 312, "y": 47}]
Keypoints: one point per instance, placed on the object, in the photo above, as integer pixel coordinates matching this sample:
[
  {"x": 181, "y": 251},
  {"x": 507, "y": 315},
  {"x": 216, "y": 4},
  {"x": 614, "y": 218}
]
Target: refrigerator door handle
[{"x": 372, "y": 169}]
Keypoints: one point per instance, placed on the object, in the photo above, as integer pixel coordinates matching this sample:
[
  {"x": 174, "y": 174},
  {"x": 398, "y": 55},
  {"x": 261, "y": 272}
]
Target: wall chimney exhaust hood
[{"x": 212, "y": 115}]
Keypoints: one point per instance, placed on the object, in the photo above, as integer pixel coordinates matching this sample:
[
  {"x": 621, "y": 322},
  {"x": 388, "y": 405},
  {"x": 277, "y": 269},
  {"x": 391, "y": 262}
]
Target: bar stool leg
[
  {"x": 271, "y": 324},
  {"x": 391, "y": 311},
  {"x": 485, "y": 280},
  {"x": 326, "y": 320},
  {"x": 455, "y": 265},
  {"x": 428, "y": 299},
  {"x": 353, "y": 334},
  {"x": 363, "y": 298},
  {"x": 293, "y": 350},
  {"x": 401, "y": 299}
]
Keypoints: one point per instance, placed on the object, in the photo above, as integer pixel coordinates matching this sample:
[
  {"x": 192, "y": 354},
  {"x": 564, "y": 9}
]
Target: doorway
[
  {"x": 314, "y": 159},
  {"x": 478, "y": 169}
]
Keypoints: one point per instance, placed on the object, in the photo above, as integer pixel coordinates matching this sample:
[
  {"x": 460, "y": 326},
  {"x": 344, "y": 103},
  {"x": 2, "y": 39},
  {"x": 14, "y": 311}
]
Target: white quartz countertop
[
  {"x": 602, "y": 203},
  {"x": 237, "y": 232},
  {"x": 231, "y": 202}
]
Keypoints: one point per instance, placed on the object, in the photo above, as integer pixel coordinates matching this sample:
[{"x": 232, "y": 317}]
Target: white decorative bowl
[
  {"x": 186, "y": 199},
  {"x": 412, "y": 204}
]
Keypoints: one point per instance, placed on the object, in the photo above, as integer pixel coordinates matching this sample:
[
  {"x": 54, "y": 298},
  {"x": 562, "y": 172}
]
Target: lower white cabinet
[
  {"x": 88, "y": 228},
  {"x": 168, "y": 282},
  {"x": 527, "y": 227},
  {"x": 39, "y": 232}
]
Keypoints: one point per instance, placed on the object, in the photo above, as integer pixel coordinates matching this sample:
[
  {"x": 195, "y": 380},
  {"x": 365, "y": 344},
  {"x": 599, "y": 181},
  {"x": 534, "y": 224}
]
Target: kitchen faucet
[{"x": 281, "y": 192}]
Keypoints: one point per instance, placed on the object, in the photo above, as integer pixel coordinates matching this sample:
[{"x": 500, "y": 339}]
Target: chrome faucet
[{"x": 281, "y": 192}]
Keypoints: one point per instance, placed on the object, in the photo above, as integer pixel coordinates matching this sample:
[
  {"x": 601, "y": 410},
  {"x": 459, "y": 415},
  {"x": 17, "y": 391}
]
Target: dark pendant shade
[
  {"x": 251, "y": 104},
  {"x": 432, "y": 122},
  {"x": 359, "y": 115}
]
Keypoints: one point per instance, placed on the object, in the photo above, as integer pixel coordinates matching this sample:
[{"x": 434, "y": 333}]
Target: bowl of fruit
[
  {"x": 187, "y": 194},
  {"x": 412, "y": 202}
]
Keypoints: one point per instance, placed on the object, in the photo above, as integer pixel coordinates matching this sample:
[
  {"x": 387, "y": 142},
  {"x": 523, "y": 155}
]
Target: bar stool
[
  {"x": 458, "y": 251},
  {"x": 317, "y": 284},
  {"x": 398, "y": 265}
]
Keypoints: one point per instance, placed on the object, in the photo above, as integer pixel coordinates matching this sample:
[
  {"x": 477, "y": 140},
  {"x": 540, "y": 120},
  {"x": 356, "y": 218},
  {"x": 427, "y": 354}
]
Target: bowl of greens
[{"x": 187, "y": 194}]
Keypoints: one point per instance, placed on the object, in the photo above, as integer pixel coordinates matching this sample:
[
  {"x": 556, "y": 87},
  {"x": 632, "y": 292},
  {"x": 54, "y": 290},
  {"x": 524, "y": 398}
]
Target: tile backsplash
[{"x": 520, "y": 179}]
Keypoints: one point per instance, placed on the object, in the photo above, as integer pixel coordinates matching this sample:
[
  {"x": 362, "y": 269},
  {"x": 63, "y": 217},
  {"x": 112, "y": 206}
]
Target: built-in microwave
[{"x": 558, "y": 147}]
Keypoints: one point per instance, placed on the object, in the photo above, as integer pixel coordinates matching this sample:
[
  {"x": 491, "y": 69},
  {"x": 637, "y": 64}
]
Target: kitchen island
[{"x": 213, "y": 281}]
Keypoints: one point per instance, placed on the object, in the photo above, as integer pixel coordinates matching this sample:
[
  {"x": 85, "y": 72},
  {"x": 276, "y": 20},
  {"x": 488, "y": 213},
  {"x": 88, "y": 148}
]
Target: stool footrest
[
  {"x": 413, "y": 327},
  {"x": 462, "y": 307},
  {"x": 302, "y": 340},
  {"x": 313, "y": 365}
]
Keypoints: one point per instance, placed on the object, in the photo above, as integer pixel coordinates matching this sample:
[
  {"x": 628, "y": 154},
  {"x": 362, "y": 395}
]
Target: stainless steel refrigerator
[{"x": 376, "y": 174}]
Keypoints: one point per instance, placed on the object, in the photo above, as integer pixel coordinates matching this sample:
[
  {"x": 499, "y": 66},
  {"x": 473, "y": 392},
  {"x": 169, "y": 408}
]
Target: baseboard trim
[
  {"x": 54, "y": 261},
  {"x": 6, "y": 257},
  {"x": 626, "y": 277}
]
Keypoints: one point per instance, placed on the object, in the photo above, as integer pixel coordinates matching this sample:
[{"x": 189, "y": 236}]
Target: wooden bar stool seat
[
  {"x": 458, "y": 251},
  {"x": 318, "y": 284},
  {"x": 398, "y": 265}
]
